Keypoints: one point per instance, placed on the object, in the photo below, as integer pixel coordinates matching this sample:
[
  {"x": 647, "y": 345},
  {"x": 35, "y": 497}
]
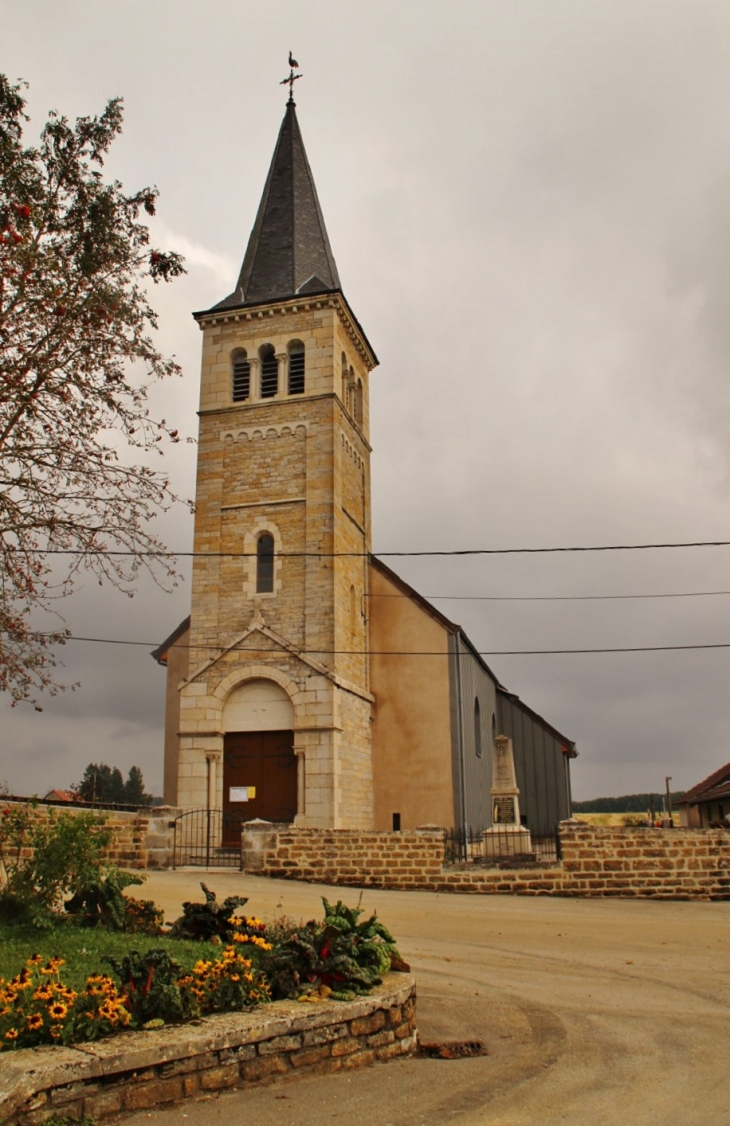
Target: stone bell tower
[{"x": 275, "y": 708}]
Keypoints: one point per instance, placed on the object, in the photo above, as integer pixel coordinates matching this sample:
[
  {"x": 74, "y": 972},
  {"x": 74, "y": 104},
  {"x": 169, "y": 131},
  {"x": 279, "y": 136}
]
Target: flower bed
[{"x": 139, "y": 1070}]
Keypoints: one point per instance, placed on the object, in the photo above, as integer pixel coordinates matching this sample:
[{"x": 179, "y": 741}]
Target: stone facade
[
  {"x": 374, "y": 688},
  {"x": 638, "y": 863},
  {"x": 142, "y": 1070},
  {"x": 295, "y": 466}
]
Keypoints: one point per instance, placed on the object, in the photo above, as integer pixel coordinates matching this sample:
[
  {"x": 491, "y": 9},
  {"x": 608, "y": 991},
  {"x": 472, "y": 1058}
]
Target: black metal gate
[
  {"x": 465, "y": 845},
  {"x": 198, "y": 836}
]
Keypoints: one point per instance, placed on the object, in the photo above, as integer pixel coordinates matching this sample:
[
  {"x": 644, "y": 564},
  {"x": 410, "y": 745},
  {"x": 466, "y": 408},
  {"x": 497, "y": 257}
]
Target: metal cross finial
[{"x": 292, "y": 77}]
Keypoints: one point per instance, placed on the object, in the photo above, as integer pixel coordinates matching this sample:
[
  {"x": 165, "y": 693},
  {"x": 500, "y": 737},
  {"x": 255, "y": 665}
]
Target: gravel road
[{"x": 595, "y": 1012}]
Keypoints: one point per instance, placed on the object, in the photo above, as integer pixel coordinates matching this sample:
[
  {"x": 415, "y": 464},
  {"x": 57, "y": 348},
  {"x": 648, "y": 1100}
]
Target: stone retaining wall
[
  {"x": 140, "y": 1070},
  {"x": 142, "y": 839},
  {"x": 596, "y": 861}
]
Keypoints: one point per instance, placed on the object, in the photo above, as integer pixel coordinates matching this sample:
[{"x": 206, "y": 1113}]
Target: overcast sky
[{"x": 528, "y": 205}]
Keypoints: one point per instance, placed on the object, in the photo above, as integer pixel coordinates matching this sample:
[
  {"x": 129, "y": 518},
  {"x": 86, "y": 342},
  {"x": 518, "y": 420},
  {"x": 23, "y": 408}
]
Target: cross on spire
[{"x": 293, "y": 64}]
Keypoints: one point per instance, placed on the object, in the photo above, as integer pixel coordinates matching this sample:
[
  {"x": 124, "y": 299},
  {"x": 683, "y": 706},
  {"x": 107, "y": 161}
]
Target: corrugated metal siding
[
  {"x": 540, "y": 766},
  {"x": 471, "y": 682}
]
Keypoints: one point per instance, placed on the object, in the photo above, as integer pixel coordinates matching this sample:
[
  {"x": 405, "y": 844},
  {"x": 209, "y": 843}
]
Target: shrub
[
  {"x": 149, "y": 986},
  {"x": 47, "y": 858},
  {"x": 208, "y": 920},
  {"x": 344, "y": 955},
  {"x": 101, "y": 902}
]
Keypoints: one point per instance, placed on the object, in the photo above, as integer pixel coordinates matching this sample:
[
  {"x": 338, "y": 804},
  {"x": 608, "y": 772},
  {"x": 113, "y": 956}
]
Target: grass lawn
[{"x": 83, "y": 949}]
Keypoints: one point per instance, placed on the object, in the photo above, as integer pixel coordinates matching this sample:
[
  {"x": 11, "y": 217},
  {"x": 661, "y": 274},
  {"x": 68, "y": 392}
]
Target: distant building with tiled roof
[{"x": 707, "y": 804}]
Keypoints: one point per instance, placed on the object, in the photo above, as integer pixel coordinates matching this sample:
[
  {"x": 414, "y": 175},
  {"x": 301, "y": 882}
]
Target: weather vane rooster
[{"x": 293, "y": 65}]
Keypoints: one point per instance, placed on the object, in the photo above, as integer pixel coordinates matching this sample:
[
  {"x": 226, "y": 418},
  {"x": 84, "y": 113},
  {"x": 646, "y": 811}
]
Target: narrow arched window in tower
[
  {"x": 269, "y": 372},
  {"x": 477, "y": 728},
  {"x": 351, "y": 391},
  {"x": 358, "y": 403},
  {"x": 265, "y": 564},
  {"x": 296, "y": 368},
  {"x": 241, "y": 376},
  {"x": 344, "y": 379}
]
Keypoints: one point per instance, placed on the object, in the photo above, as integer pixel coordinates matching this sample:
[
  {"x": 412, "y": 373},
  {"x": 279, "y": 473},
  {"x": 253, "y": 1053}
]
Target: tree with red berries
[{"x": 77, "y": 359}]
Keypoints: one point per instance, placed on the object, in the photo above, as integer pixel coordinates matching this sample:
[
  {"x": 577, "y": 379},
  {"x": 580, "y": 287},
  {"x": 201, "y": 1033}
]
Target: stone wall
[
  {"x": 655, "y": 863},
  {"x": 410, "y": 859},
  {"x": 142, "y": 839},
  {"x": 141, "y": 1070},
  {"x": 628, "y": 862}
]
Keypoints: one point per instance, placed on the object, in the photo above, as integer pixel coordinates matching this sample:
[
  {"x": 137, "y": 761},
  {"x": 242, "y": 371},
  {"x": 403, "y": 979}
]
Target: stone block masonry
[
  {"x": 141, "y": 839},
  {"x": 625, "y": 862},
  {"x": 141, "y": 1070}
]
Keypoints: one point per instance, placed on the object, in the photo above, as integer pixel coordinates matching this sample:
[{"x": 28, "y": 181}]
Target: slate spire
[{"x": 288, "y": 251}]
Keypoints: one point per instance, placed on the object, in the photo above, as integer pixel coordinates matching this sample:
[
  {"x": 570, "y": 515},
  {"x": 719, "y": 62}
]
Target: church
[{"x": 310, "y": 683}]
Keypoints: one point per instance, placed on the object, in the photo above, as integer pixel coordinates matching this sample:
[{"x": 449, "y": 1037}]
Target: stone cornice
[{"x": 254, "y": 313}]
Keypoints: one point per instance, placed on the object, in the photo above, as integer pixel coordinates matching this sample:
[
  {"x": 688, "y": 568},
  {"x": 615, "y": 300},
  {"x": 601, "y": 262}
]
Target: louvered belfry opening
[
  {"x": 241, "y": 378},
  {"x": 269, "y": 373},
  {"x": 296, "y": 369}
]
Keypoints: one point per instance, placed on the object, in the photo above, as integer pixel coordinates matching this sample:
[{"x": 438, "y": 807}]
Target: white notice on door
[{"x": 241, "y": 793}]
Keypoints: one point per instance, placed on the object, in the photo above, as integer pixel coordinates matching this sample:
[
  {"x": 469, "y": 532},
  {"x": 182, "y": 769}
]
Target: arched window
[
  {"x": 351, "y": 391},
  {"x": 265, "y": 564},
  {"x": 358, "y": 403},
  {"x": 269, "y": 372},
  {"x": 344, "y": 379},
  {"x": 477, "y": 728},
  {"x": 240, "y": 376},
  {"x": 296, "y": 368}
]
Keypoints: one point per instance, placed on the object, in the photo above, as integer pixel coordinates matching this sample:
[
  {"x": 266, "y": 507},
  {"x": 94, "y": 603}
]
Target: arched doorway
[{"x": 259, "y": 764}]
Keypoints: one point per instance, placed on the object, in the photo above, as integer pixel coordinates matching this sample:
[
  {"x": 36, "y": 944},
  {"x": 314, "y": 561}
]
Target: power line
[
  {"x": 552, "y": 597},
  {"x": 407, "y": 652},
  {"x": 366, "y": 554}
]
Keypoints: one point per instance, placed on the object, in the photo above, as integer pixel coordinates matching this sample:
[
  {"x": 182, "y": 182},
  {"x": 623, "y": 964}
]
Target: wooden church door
[{"x": 259, "y": 777}]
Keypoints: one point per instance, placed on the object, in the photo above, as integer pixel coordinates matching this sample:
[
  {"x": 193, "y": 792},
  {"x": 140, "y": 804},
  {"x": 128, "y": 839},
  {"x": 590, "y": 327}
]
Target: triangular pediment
[{"x": 272, "y": 642}]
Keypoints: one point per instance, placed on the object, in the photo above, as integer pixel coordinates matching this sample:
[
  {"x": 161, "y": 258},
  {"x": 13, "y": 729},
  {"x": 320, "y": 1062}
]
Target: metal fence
[
  {"x": 502, "y": 846},
  {"x": 208, "y": 838}
]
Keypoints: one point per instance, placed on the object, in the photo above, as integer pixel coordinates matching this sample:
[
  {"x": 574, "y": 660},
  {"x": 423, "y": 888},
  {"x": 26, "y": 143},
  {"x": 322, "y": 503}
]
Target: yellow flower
[
  {"x": 35, "y": 1020},
  {"x": 34, "y": 960},
  {"x": 43, "y": 993},
  {"x": 11, "y": 1034},
  {"x": 57, "y": 1010}
]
